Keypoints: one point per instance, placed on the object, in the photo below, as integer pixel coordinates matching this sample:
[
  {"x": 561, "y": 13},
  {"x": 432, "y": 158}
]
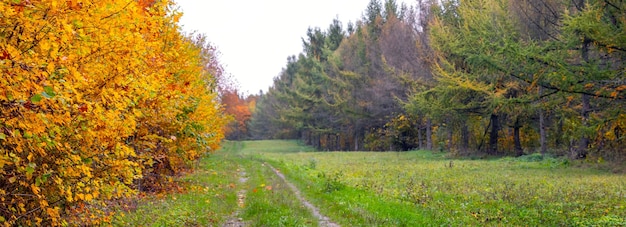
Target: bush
[{"x": 94, "y": 96}]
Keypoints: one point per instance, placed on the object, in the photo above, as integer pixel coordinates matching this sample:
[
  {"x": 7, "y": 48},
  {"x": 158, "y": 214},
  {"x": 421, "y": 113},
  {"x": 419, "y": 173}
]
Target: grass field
[
  {"x": 418, "y": 188},
  {"x": 211, "y": 198}
]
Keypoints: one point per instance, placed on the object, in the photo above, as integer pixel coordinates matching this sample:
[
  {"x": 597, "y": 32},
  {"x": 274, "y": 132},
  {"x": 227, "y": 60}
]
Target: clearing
[{"x": 281, "y": 183}]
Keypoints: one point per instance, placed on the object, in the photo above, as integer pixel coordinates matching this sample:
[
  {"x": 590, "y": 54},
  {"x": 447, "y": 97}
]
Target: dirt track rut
[{"x": 323, "y": 220}]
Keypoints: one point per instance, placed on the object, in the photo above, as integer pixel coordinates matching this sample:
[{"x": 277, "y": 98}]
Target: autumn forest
[
  {"x": 490, "y": 77},
  {"x": 101, "y": 101}
]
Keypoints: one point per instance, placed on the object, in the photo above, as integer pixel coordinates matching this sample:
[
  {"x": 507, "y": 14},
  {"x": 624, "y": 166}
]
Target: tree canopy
[{"x": 470, "y": 77}]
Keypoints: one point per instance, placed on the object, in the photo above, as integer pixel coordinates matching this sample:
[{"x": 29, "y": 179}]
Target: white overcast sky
[{"x": 255, "y": 37}]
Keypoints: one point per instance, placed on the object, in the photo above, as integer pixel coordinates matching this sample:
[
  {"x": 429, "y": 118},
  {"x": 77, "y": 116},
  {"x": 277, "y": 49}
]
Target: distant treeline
[{"x": 493, "y": 77}]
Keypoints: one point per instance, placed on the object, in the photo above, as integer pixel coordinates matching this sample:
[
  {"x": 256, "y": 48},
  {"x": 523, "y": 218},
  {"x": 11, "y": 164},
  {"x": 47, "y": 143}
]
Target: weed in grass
[
  {"x": 331, "y": 182},
  {"x": 609, "y": 220},
  {"x": 416, "y": 193},
  {"x": 312, "y": 163}
]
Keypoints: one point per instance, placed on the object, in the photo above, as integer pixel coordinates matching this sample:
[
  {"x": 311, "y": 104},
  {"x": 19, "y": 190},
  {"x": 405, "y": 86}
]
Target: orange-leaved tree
[
  {"x": 240, "y": 110},
  {"x": 95, "y": 95}
]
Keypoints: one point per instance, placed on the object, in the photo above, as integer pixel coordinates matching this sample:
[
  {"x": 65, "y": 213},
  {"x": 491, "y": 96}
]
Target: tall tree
[{"x": 507, "y": 50}]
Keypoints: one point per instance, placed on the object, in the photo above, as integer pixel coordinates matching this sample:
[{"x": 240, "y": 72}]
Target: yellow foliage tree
[{"x": 95, "y": 95}]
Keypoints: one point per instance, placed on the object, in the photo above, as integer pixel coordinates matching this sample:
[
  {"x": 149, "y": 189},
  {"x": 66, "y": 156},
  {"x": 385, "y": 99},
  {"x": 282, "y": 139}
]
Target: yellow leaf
[
  {"x": 3, "y": 160},
  {"x": 50, "y": 68},
  {"x": 35, "y": 189},
  {"x": 44, "y": 45}
]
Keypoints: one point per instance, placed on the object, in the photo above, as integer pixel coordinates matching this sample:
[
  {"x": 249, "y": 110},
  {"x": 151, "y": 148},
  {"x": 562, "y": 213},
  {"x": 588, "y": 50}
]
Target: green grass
[
  {"x": 417, "y": 188},
  {"x": 430, "y": 187},
  {"x": 211, "y": 198},
  {"x": 269, "y": 201}
]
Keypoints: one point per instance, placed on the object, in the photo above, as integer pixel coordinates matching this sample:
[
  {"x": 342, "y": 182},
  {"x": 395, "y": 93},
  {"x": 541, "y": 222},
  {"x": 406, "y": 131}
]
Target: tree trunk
[
  {"x": 330, "y": 142},
  {"x": 584, "y": 141},
  {"x": 356, "y": 142},
  {"x": 542, "y": 128},
  {"x": 493, "y": 136},
  {"x": 420, "y": 143},
  {"x": 450, "y": 134},
  {"x": 318, "y": 140},
  {"x": 542, "y": 133},
  {"x": 309, "y": 140},
  {"x": 465, "y": 139},
  {"x": 429, "y": 134},
  {"x": 558, "y": 142},
  {"x": 516, "y": 137}
]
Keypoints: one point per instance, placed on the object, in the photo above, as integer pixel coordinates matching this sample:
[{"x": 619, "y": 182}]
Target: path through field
[
  {"x": 282, "y": 183},
  {"x": 323, "y": 220},
  {"x": 235, "y": 220},
  {"x": 264, "y": 196}
]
